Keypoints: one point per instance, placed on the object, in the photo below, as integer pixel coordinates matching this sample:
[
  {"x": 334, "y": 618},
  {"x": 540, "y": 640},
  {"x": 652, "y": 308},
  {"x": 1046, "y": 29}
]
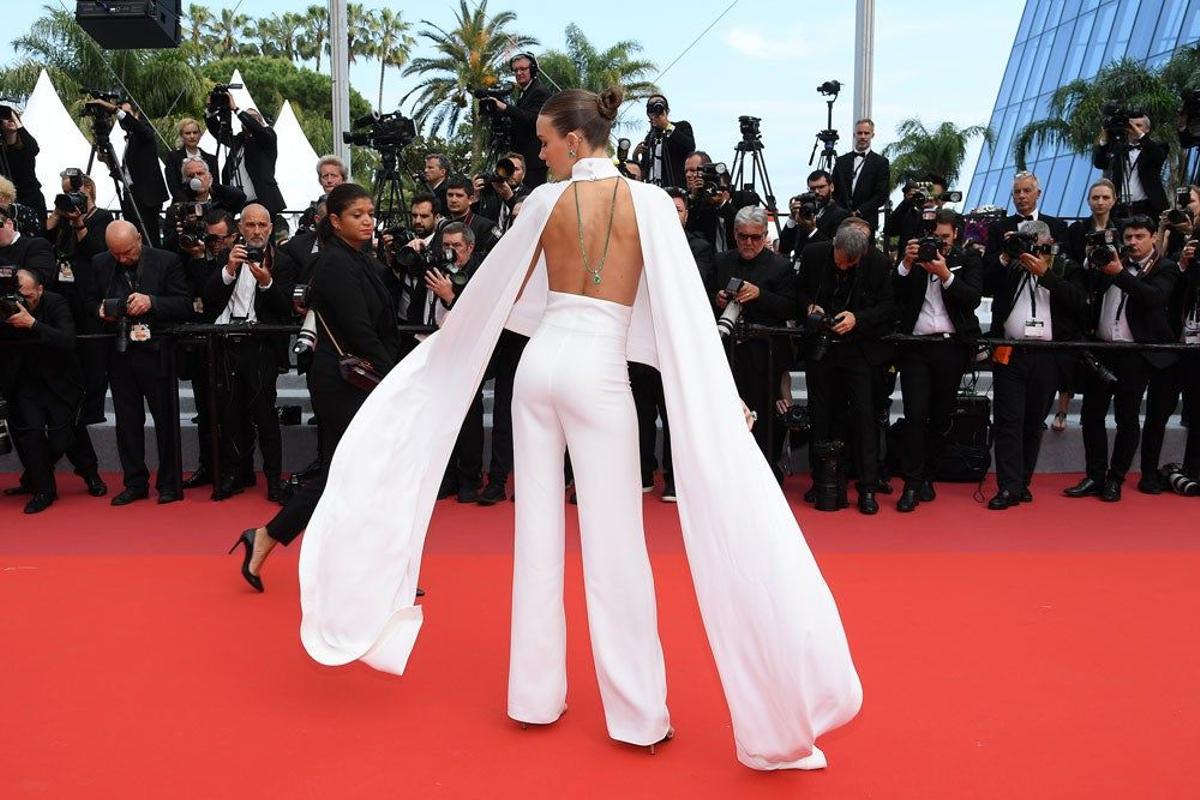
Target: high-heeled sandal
[
  {"x": 670, "y": 735},
  {"x": 247, "y": 540}
]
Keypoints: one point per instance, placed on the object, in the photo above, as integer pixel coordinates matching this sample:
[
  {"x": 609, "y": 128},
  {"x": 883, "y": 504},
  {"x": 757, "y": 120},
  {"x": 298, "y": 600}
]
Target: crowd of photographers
[{"x": 842, "y": 269}]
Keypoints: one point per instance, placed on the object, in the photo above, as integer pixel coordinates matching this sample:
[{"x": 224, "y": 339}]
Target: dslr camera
[
  {"x": 505, "y": 168},
  {"x": 928, "y": 249},
  {"x": 416, "y": 263},
  {"x": 70, "y": 202},
  {"x": 1183, "y": 198},
  {"x": 102, "y": 119},
  {"x": 10, "y": 291},
  {"x": 830, "y": 88},
  {"x": 922, "y": 193},
  {"x": 1020, "y": 243},
  {"x": 733, "y": 309},
  {"x": 820, "y": 325},
  {"x": 1116, "y": 118},
  {"x": 1103, "y": 247},
  {"x": 715, "y": 179},
  {"x": 810, "y": 204},
  {"x": 191, "y": 221}
]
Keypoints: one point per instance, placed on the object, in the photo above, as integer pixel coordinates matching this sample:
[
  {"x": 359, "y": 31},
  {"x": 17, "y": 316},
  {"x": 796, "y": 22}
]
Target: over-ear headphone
[{"x": 534, "y": 69}]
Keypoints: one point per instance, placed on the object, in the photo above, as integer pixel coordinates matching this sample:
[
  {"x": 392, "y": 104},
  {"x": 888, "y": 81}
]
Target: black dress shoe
[
  {"x": 39, "y": 502},
  {"x": 277, "y": 491},
  {"x": 1150, "y": 484},
  {"x": 96, "y": 486},
  {"x": 308, "y": 473},
  {"x": 1085, "y": 487},
  {"x": 169, "y": 497},
  {"x": 668, "y": 494},
  {"x": 128, "y": 496},
  {"x": 1111, "y": 492},
  {"x": 883, "y": 486},
  {"x": 227, "y": 489},
  {"x": 909, "y": 500},
  {"x": 1026, "y": 496},
  {"x": 1002, "y": 500},
  {"x": 866, "y": 502},
  {"x": 467, "y": 494},
  {"x": 13, "y": 491},
  {"x": 811, "y": 495},
  {"x": 247, "y": 480},
  {"x": 200, "y": 477},
  {"x": 647, "y": 483},
  {"x": 926, "y": 493},
  {"x": 492, "y": 493}
]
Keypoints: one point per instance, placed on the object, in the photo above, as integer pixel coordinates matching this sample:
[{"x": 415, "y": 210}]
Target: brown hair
[{"x": 580, "y": 110}]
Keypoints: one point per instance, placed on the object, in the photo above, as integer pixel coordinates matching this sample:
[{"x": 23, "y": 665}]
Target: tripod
[
  {"x": 1118, "y": 168},
  {"x": 388, "y": 191},
  {"x": 752, "y": 143},
  {"x": 828, "y": 138},
  {"x": 102, "y": 147}
]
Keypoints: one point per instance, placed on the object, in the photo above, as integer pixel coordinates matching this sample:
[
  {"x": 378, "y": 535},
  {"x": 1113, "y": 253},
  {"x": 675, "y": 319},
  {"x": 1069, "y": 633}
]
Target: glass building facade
[{"x": 1057, "y": 42}]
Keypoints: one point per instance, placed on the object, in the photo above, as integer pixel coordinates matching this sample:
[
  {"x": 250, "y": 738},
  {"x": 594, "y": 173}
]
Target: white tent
[
  {"x": 244, "y": 101},
  {"x": 296, "y": 168}
]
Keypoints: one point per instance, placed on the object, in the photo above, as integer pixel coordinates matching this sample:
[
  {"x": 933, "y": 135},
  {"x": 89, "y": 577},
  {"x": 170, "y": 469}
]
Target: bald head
[
  {"x": 124, "y": 242},
  {"x": 255, "y": 225}
]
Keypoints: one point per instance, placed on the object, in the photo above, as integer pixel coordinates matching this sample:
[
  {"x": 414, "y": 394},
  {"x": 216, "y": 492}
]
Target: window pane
[
  {"x": 993, "y": 157},
  {"x": 1079, "y": 47},
  {"x": 1026, "y": 19},
  {"x": 1014, "y": 63},
  {"x": 1121, "y": 30},
  {"x": 1090, "y": 5},
  {"x": 988, "y": 196},
  {"x": 1054, "y": 184},
  {"x": 1191, "y": 23},
  {"x": 1039, "y": 22},
  {"x": 1143, "y": 30},
  {"x": 1041, "y": 110},
  {"x": 1045, "y": 46},
  {"x": 1095, "y": 52},
  {"x": 1058, "y": 52},
  {"x": 1054, "y": 15},
  {"x": 1070, "y": 9},
  {"x": 1082, "y": 175},
  {"x": 1169, "y": 24}
]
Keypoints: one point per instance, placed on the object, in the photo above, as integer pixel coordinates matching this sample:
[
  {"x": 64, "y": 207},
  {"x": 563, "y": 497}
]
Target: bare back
[{"x": 560, "y": 242}]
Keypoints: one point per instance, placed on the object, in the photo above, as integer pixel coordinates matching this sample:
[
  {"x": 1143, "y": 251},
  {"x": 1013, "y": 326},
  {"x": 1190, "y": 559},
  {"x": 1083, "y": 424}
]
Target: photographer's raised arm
[{"x": 264, "y": 134}]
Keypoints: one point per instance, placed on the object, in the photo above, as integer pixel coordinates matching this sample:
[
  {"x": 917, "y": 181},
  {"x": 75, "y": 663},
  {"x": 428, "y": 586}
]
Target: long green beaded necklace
[{"x": 595, "y": 272}]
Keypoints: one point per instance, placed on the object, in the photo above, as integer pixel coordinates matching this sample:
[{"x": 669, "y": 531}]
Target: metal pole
[
  {"x": 339, "y": 67},
  {"x": 864, "y": 57}
]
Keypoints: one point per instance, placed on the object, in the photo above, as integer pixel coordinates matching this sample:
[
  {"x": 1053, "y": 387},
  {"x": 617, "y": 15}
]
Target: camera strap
[{"x": 1031, "y": 282}]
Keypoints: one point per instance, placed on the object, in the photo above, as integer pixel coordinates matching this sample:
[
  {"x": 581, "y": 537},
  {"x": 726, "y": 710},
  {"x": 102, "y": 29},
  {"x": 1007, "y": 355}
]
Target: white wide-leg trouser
[{"x": 572, "y": 391}]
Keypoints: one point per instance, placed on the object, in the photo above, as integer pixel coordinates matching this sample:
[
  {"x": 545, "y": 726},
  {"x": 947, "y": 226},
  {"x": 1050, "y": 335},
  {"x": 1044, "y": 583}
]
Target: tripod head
[{"x": 827, "y": 139}]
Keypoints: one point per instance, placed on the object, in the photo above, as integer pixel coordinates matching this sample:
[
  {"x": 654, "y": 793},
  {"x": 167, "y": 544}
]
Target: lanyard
[{"x": 1027, "y": 280}]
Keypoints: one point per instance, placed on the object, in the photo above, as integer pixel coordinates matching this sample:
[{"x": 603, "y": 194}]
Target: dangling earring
[{"x": 571, "y": 152}]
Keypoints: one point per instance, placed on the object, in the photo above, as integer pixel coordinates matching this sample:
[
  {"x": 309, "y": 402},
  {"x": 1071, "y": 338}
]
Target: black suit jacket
[
  {"x": 174, "y": 170},
  {"x": 1147, "y": 307},
  {"x": 257, "y": 146},
  {"x": 21, "y": 160},
  {"x": 792, "y": 244},
  {"x": 830, "y": 218},
  {"x": 300, "y": 249},
  {"x": 871, "y": 296},
  {"x": 961, "y": 297},
  {"x": 872, "y": 189},
  {"x": 1149, "y": 169},
  {"x": 524, "y": 113},
  {"x": 34, "y": 254},
  {"x": 221, "y": 198},
  {"x": 141, "y": 159},
  {"x": 160, "y": 275},
  {"x": 47, "y": 351},
  {"x": 677, "y": 146},
  {"x": 704, "y": 254},
  {"x": 1068, "y": 298},
  {"x": 1058, "y": 230},
  {"x": 272, "y": 306},
  {"x": 1076, "y": 232}
]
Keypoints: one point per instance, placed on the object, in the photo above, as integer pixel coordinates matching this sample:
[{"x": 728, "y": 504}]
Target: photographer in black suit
[
  {"x": 460, "y": 192},
  {"x": 1039, "y": 296},
  {"x": 186, "y": 146},
  {"x": 531, "y": 96},
  {"x": 254, "y": 286},
  {"x": 29, "y": 252},
  {"x": 800, "y": 228},
  {"x": 43, "y": 383},
  {"x": 138, "y": 292},
  {"x": 922, "y": 200},
  {"x": 140, "y": 164},
  {"x": 188, "y": 217},
  {"x": 250, "y": 164},
  {"x": 757, "y": 284},
  {"x": 1026, "y": 191},
  {"x": 1138, "y": 169},
  {"x": 845, "y": 295},
  {"x": 711, "y": 208},
  {"x": 938, "y": 286},
  {"x": 829, "y": 214},
  {"x": 666, "y": 147},
  {"x": 18, "y": 160},
  {"x": 1130, "y": 293},
  {"x": 495, "y": 200},
  {"x": 862, "y": 177}
]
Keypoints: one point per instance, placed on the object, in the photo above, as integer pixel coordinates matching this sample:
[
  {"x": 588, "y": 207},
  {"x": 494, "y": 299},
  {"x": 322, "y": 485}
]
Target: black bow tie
[
  {"x": 860, "y": 155},
  {"x": 1135, "y": 145},
  {"x": 1027, "y": 219}
]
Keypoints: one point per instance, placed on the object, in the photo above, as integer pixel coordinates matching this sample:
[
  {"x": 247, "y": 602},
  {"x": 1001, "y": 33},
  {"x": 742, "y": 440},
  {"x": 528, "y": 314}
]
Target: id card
[
  {"x": 65, "y": 273},
  {"x": 1191, "y": 333},
  {"x": 139, "y": 333},
  {"x": 1035, "y": 329}
]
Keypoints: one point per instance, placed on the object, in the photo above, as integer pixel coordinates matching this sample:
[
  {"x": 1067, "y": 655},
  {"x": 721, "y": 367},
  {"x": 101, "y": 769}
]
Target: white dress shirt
[
  {"x": 859, "y": 160},
  {"x": 1114, "y": 309},
  {"x": 1025, "y": 308},
  {"x": 933, "y": 318}
]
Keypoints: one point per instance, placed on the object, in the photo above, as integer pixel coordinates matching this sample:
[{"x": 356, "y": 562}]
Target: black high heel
[{"x": 247, "y": 539}]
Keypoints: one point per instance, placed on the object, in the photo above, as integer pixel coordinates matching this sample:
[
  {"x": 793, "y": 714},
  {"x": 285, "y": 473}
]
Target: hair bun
[{"x": 609, "y": 102}]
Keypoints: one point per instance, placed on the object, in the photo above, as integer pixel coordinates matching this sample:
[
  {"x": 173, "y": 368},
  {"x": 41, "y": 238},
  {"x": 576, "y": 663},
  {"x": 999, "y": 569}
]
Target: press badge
[
  {"x": 139, "y": 333},
  {"x": 1035, "y": 329},
  {"x": 65, "y": 273},
  {"x": 1191, "y": 332}
]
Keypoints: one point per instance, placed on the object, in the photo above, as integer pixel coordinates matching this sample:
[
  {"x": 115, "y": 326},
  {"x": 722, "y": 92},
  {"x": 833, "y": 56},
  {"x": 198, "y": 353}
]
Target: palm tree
[
  {"x": 360, "y": 30},
  {"x": 314, "y": 33},
  {"x": 200, "y": 20},
  {"x": 278, "y": 34},
  {"x": 1075, "y": 113},
  {"x": 582, "y": 66},
  {"x": 471, "y": 54},
  {"x": 919, "y": 151},
  {"x": 393, "y": 44},
  {"x": 228, "y": 31}
]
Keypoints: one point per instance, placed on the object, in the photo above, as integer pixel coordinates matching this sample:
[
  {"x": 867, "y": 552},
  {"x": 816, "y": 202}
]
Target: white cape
[{"x": 772, "y": 623}]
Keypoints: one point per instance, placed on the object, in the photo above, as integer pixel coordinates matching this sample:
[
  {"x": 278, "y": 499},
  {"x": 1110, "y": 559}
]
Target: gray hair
[
  {"x": 1036, "y": 227},
  {"x": 333, "y": 161},
  {"x": 460, "y": 228},
  {"x": 851, "y": 241},
  {"x": 1027, "y": 176},
  {"x": 193, "y": 160},
  {"x": 751, "y": 215}
]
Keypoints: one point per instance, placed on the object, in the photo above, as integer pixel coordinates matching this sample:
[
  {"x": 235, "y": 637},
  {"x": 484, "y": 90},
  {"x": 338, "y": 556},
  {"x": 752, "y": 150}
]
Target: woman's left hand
[{"x": 750, "y": 416}]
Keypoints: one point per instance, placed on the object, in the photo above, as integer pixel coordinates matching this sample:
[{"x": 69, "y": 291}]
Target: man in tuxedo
[
  {"x": 532, "y": 95},
  {"x": 920, "y": 202},
  {"x": 849, "y": 281},
  {"x": 495, "y": 200},
  {"x": 862, "y": 177},
  {"x": 254, "y": 286},
  {"x": 250, "y": 164},
  {"x": 141, "y": 168},
  {"x": 44, "y": 385},
  {"x": 1038, "y": 296},
  {"x": 800, "y": 228},
  {"x": 766, "y": 295},
  {"x": 436, "y": 172},
  {"x": 1129, "y": 300},
  {"x": 206, "y": 196},
  {"x": 710, "y": 214},
  {"x": 459, "y": 193},
  {"x": 1138, "y": 169},
  {"x": 663, "y": 153},
  {"x": 936, "y": 297},
  {"x": 28, "y": 252},
  {"x": 139, "y": 291},
  {"x": 1026, "y": 192}
]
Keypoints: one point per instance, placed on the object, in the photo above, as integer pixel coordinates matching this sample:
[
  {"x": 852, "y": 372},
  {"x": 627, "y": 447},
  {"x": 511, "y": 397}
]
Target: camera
[
  {"x": 218, "y": 106},
  {"x": 255, "y": 255},
  {"x": 1116, "y": 120},
  {"x": 928, "y": 249},
  {"x": 830, "y": 87},
  {"x": 820, "y": 324},
  {"x": 1102, "y": 248},
  {"x": 797, "y": 419},
  {"x": 102, "y": 118},
  {"x": 10, "y": 291},
  {"x": 1172, "y": 475},
  {"x": 655, "y": 107},
  {"x": 115, "y": 308},
  {"x": 733, "y": 309},
  {"x": 300, "y": 294},
  {"x": 1020, "y": 243},
  {"x": 1183, "y": 198},
  {"x": 750, "y": 128},
  {"x": 306, "y": 339},
  {"x": 74, "y": 176},
  {"x": 922, "y": 193},
  {"x": 417, "y": 263},
  {"x": 715, "y": 178},
  {"x": 623, "y": 146},
  {"x": 810, "y": 204},
  {"x": 382, "y": 131},
  {"x": 71, "y": 202},
  {"x": 505, "y": 169},
  {"x": 191, "y": 222}
]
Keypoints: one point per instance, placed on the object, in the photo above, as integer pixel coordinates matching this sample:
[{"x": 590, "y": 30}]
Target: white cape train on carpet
[{"x": 771, "y": 621}]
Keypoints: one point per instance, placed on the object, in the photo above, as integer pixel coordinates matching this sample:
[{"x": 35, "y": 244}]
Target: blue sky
[{"x": 763, "y": 58}]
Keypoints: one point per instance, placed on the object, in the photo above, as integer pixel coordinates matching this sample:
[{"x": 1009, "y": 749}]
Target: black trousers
[
  {"x": 246, "y": 399},
  {"x": 1162, "y": 398},
  {"x": 1189, "y": 371},
  {"x": 845, "y": 371},
  {"x": 1023, "y": 392},
  {"x": 930, "y": 374},
  {"x": 138, "y": 380},
  {"x": 466, "y": 459},
  {"x": 757, "y": 380},
  {"x": 336, "y": 405},
  {"x": 205, "y": 413},
  {"x": 503, "y": 368},
  {"x": 1125, "y": 395},
  {"x": 93, "y": 356},
  {"x": 648, "y": 399},
  {"x": 43, "y": 425}
]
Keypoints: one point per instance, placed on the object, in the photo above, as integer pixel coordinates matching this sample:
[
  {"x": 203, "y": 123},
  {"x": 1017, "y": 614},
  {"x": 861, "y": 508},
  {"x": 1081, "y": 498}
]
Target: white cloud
[{"x": 754, "y": 43}]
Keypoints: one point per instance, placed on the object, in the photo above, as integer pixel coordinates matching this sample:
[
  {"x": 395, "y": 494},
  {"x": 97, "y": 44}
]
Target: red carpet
[{"x": 1049, "y": 651}]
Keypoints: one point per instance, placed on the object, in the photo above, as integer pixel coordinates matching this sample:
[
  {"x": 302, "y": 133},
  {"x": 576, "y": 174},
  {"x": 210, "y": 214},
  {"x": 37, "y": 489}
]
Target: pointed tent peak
[
  {"x": 298, "y": 161},
  {"x": 61, "y": 143}
]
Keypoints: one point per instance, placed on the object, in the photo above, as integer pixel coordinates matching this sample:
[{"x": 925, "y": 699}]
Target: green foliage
[
  {"x": 582, "y": 66},
  {"x": 918, "y": 150}
]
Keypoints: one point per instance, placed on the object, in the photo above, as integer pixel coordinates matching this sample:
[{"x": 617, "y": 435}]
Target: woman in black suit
[
  {"x": 187, "y": 146},
  {"x": 348, "y": 293}
]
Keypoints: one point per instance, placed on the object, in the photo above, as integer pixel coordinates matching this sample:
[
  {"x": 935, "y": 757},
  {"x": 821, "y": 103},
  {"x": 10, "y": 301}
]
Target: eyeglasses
[
  {"x": 520, "y": 69},
  {"x": 750, "y": 237}
]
